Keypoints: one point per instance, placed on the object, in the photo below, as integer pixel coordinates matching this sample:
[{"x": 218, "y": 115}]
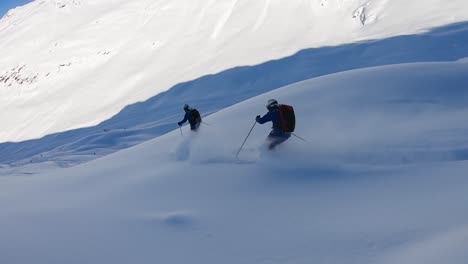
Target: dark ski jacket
[
  {"x": 273, "y": 115},
  {"x": 189, "y": 117}
]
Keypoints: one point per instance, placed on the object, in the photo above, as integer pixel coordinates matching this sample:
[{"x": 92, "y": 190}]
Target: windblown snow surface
[{"x": 382, "y": 179}]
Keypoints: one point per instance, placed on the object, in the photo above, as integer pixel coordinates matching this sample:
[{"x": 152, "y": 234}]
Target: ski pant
[
  {"x": 276, "y": 137},
  {"x": 195, "y": 126}
]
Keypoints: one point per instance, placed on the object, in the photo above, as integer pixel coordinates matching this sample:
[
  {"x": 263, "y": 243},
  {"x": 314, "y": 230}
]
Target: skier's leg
[
  {"x": 269, "y": 140},
  {"x": 277, "y": 137},
  {"x": 275, "y": 142},
  {"x": 195, "y": 127}
]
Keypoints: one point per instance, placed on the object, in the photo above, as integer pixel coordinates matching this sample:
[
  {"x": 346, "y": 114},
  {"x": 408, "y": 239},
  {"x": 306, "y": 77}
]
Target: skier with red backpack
[
  {"x": 192, "y": 116},
  {"x": 283, "y": 119}
]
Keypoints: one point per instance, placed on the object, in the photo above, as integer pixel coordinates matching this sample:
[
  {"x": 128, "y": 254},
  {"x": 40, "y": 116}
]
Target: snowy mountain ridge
[{"x": 83, "y": 61}]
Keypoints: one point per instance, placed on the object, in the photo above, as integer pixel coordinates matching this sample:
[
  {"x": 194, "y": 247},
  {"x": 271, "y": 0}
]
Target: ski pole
[
  {"x": 206, "y": 123},
  {"x": 246, "y": 138},
  {"x": 299, "y": 137},
  {"x": 182, "y": 134}
]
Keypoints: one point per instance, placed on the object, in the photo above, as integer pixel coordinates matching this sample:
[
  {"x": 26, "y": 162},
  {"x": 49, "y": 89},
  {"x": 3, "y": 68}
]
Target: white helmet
[{"x": 272, "y": 103}]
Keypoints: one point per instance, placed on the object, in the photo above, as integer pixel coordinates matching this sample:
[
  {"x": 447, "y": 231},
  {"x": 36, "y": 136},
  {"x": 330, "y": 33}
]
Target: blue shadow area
[{"x": 158, "y": 115}]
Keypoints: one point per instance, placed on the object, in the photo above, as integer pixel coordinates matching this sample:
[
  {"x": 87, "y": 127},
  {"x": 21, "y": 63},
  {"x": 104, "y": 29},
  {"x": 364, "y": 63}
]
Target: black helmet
[
  {"x": 271, "y": 104},
  {"x": 186, "y": 107}
]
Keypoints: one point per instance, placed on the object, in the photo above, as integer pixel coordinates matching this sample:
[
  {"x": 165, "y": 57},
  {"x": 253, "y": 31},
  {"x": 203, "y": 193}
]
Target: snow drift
[{"x": 381, "y": 180}]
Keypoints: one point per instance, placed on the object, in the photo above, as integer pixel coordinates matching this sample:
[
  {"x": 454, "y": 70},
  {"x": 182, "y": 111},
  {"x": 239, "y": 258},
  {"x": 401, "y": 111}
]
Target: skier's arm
[
  {"x": 183, "y": 121},
  {"x": 265, "y": 118}
]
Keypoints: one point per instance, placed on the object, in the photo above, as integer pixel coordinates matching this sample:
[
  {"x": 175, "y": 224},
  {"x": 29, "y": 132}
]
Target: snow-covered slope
[
  {"x": 381, "y": 180},
  {"x": 143, "y": 121},
  {"x": 67, "y": 64}
]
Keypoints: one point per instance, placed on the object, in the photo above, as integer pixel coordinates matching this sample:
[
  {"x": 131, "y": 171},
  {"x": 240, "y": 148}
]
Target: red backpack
[{"x": 287, "y": 118}]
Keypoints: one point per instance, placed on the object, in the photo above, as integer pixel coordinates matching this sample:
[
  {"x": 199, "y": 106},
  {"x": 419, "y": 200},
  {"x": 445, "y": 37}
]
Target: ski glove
[
  {"x": 180, "y": 124},
  {"x": 257, "y": 118}
]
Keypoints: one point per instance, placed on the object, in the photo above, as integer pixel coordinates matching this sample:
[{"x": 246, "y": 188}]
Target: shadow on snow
[{"x": 158, "y": 115}]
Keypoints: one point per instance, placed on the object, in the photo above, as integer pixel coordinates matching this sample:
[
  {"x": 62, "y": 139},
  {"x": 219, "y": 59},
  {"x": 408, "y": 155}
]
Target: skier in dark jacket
[
  {"x": 277, "y": 135},
  {"x": 192, "y": 116}
]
